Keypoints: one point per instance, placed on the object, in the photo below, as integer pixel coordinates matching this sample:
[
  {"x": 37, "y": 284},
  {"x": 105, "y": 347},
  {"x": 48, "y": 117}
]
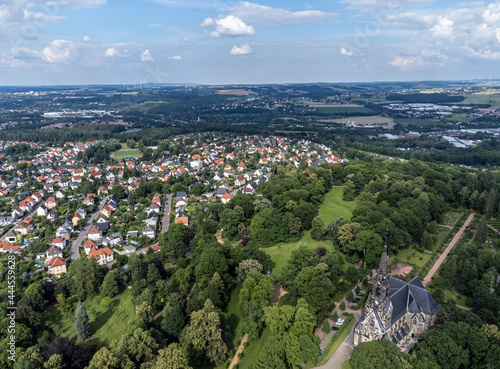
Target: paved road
[
  {"x": 166, "y": 215},
  {"x": 442, "y": 258},
  {"x": 30, "y": 215},
  {"x": 345, "y": 350},
  {"x": 74, "y": 250}
]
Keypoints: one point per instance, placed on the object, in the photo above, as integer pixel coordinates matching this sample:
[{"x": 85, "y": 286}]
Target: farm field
[
  {"x": 485, "y": 99},
  {"x": 334, "y": 207},
  {"x": 106, "y": 323},
  {"x": 365, "y": 120}
]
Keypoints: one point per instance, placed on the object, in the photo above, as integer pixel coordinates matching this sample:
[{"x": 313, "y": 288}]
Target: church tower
[{"x": 379, "y": 298}]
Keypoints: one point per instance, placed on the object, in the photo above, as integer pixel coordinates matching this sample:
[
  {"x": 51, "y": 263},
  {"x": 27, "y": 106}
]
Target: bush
[
  {"x": 326, "y": 327},
  {"x": 334, "y": 317},
  {"x": 342, "y": 306}
]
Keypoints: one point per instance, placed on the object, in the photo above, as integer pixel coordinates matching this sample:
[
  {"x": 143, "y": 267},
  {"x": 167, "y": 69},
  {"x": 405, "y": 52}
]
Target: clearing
[
  {"x": 126, "y": 151},
  {"x": 334, "y": 207},
  {"x": 106, "y": 323}
]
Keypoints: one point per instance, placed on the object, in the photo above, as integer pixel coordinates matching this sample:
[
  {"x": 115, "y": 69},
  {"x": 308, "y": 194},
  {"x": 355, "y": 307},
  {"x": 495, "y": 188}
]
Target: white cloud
[
  {"x": 111, "y": 53},
  {"x": 346, "y": 52},
  {"x": 465, "y": 31},
  {"x": 23, "y": 53},
  {"x": 25, "y": 19},
  {"x": 260, "y": 14},
  {"x": 146, "y": 56},
  {"x": 368, "y": 6},
  {"x": 230, "y": 26},
  {"x": 59, "y": 52},
  {"x": 244, "y": 49},
  {"x": 86, "y": 39},
  {"x": 407, "y": 62},
  {"x": 175, "y": 57}
]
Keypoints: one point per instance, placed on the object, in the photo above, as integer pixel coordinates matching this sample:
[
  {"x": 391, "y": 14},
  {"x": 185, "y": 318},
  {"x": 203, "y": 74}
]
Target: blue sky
[{"x": 269, "y": 41}]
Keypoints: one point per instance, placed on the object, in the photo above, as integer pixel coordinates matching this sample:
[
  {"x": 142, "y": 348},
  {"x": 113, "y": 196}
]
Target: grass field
[
  {"x": 455, "y": 296},
  {"x": 489, "y": 99},
  {"x": 415, "y": 122},
  {"x": 106, "y": 323},
  {"x": 451, "y": 217},
  {"x": 405, "y": 256},
  {"x": 334, "y": 207},
  {"x": 344, "y": 110},
  {"x": 126, "y": 151},
  {"x": 251, "y": 353}
]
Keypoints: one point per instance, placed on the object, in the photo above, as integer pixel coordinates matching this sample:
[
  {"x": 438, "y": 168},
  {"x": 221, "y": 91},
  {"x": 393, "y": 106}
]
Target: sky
[{"x": 54, "y": 42}]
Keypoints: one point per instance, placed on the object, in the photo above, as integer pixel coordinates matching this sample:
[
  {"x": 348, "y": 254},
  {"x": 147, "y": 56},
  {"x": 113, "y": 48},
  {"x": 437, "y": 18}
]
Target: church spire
[{"x": 380, "y": 290}]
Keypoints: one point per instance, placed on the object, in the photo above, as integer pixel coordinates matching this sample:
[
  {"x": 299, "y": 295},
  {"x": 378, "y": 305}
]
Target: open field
[
  {"x": 455, "y": 296},
  {"x": 126, "y": 151},
  {"x": 415, "y": 122},
  {"x": 236, "y": 91},
  {"x": 482, "y": 98},
  {"x": 334, "y": 207},
  {"x": 363, "y": 121},
  {"x": 106, "y": 323},
  {"x": 282, "y": 252},
  {"x": 411, "y": 256}
]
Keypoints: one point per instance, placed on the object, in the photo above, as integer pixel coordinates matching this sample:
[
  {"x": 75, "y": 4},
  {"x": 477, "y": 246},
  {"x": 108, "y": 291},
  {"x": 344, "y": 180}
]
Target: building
[
  {"x": 56, "y": 266},
  {"x": 396, "y": 310},
  {"x": 95, "y": 233},
  {"x": 103, "y": 256}
]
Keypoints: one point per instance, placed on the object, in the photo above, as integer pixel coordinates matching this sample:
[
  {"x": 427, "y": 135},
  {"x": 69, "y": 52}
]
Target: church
[{"x": 396, "y": 310}]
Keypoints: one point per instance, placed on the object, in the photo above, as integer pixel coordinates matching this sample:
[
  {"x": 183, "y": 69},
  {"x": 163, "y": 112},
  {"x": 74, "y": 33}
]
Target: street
[{"x": 74, "y": 250}]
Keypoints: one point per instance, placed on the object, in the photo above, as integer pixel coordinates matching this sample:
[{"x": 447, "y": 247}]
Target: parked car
[
  {"x": 335, "y": 328},
  {"x": 361, "y": 294}
]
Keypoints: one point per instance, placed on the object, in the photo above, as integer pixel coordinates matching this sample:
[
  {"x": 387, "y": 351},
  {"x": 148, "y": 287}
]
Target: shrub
[
  {"x": 342, "y": 306},
  {"x": 326, "y": 327},
  {"x": 335, "y": 317}
]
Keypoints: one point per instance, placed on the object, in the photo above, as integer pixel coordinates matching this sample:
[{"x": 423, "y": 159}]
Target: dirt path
[
  {"x": 442, "y": 258},
  {"x": 493, "y": 229},
  {"x": 279, "y": 291},
  {"x": 241, "y": 347}
]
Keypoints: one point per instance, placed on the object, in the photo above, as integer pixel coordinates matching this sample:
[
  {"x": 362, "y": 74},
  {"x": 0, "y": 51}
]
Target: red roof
[{"x": 56, "y": 261}]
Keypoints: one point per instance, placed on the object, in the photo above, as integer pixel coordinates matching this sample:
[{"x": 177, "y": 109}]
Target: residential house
[
  {"x": 88, "y": 245},
  {"x": 42, "y": 211},
  {"x": 95, "y": 233},
  {"x": 23, "y": 228},
  {"x": 51, "y": 203},
  {"x": 103, "y": 256},
  {"x": 56, "y": 266},
  {"x": 59, "y": 242},
  {"x": 53, "y": 251},
  {"x": 149, "y": 231},
  {"x": 13, "y": 236},
  {"x": 226, "y": 198}
]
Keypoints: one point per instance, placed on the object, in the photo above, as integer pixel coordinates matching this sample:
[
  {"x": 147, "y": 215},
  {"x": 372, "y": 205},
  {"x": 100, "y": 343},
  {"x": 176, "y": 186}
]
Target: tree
[
  {"x": 110, "y": 287},
  {"x": 257, "y": 287},
  {"x": 215, "y": 291},
  {"x": 87, "y": 277},
  {"x": 365, "y": 241},
  {"x": 245, "y": 267},
  {"x": 279, "y": 318},
  {"x": 105, "y": 359},
  {"x": 54, "y": 362},
  {"x": 346, "y": 234},
  {"x": 171, "y": 357},
  {"x": 349, "y": 191},
  {"x": 202, "y": 337},
  {"x": 173, "y": 316},
  {"x": 139, "y": 347},
  {"x": 118, "y": 192},
  {"x": 74, "y": 356},
  {"x": 376, "y": 355},
  {"x": 318, "y": 229},
  {"x": 82, "y": 325},
  {"x": 144, "y": 314}
]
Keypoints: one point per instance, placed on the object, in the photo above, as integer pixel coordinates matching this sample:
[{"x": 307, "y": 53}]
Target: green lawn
[
  {"x": 451, "y": 217},
  {"x": 251, "y": 353},
  {"x": 334, "y": 207},
  {"x": 233, "y": 316},
  {"x": 346, "y": 364},
  {"x": 106, "y": 323},
  {"x": 405, "y": 256},
  {"x": 458, "y": 298},
  {"x": 282, "y": 252},
  {"x": 123, "y": 153}
]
